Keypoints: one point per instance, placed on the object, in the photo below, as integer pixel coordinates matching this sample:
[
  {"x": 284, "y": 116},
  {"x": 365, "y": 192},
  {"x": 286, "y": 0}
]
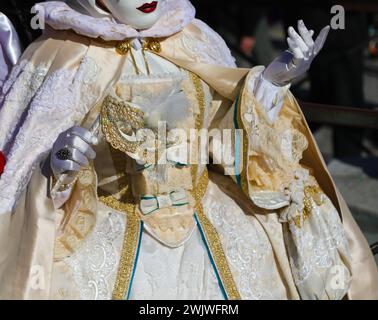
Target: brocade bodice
[{"x": 156, "y": 169}]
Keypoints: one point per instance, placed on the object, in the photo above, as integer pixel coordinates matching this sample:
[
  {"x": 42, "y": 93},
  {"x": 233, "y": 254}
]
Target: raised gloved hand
[
  {"x": 71, "y": 151},
  {"x": 296, "y": 61}
]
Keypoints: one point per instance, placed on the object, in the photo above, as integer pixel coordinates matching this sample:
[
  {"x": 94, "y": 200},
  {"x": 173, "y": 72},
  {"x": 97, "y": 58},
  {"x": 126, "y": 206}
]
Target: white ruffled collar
[{"x": 177, "y": 14}]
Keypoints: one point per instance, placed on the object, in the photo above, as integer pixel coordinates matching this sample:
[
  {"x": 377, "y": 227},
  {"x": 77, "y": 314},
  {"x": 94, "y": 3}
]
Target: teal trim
[
  {"x": 175, "y": 205},
  {"x": 221, "y": 286},
  {"x": 148, "y": 213},
  {"x": 181, "y": 165},
  {"x": 148, "y": 198},
  {"x": 136, "y": 259},
  {"x": 237, "y": 142},
  {"x": 178, "y": 164},
  {"x": 145, "y": 167},
  {"x": 157, "y": 204},
  {"x": 180, "y": 204}
]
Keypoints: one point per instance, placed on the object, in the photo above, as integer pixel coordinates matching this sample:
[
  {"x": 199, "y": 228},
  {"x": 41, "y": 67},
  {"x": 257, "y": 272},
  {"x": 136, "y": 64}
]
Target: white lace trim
[
  {"x": 177, "y": 76},
  {"x": 176, "y": 15},
  {"x": 17, "y": 92},
  {"x": 317, "y": 251},
  {"x": 63, "y": 100}
]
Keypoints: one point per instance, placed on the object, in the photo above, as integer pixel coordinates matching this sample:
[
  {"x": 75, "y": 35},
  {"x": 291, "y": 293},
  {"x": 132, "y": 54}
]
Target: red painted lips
[{"x": 148, "y": 7}]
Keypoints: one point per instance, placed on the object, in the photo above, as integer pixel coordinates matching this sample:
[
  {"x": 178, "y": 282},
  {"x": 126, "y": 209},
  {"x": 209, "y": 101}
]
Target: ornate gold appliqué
[
  {"x": 118, "y": 121},
  {"x": 312, "y": 193}
]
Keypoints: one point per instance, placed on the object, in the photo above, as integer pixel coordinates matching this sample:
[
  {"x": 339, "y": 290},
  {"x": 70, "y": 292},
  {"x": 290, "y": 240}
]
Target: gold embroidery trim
[
  {"x": 311, "y": 193},
  {"x": 211, "y": 234},
  {"x": 130, "y": 246},
  {"x": 244, "y": 173},
  {"x": 128, "y": 258},
  {"x": 133, "y": 228},
  {"x": 200, "y": 94}
]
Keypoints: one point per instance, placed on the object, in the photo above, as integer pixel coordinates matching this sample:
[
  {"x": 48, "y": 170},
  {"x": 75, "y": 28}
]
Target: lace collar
[{"x": 176, "y": 15}]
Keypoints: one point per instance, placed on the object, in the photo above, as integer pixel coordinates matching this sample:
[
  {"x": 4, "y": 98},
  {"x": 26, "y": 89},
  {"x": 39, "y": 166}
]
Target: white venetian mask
[{"x": 139, "y": 14}]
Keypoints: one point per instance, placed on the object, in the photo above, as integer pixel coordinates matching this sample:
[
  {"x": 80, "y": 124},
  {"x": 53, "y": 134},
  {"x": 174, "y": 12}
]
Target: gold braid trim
[
  {"x": 211, "y": 234},
  {"x": 130, "y": 246},
  {"x": 244, "y": 173},
  {"x": 214, "y": 242},
  {"x": 128, "y": 256},
  {"x": 124, "y": 203}
]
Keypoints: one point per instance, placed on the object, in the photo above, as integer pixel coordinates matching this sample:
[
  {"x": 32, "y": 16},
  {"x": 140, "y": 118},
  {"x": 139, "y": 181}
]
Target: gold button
[{"x": 123, "y": 48}]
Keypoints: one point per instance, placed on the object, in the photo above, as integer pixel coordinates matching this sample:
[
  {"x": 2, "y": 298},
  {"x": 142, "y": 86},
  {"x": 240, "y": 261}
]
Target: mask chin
[{"x": 127, "y": 12}]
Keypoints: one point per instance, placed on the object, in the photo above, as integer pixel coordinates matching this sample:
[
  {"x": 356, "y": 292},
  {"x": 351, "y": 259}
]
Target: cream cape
[{"x": 53, "y": 88}]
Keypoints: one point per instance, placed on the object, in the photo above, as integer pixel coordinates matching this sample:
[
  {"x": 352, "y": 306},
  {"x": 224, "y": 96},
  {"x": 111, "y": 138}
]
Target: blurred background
[{"x": 339, "y": 95}]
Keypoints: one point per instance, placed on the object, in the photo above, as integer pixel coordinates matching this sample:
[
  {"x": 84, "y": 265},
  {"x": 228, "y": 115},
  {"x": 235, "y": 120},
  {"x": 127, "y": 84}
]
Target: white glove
[
  {"x": 296, "y": 61},
  {"x": 71, "y": 151}
]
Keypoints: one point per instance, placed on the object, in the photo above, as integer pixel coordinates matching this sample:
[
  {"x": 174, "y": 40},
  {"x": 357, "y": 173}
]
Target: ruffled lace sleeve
[{"x": 268, "y": 167}]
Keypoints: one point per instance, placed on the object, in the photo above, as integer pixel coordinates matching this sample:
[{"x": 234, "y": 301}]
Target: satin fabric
[
  {"x": 26, "y": 227},
  {"x": 226, "y": 81},
  {"x": 27, "y": 244},
  {"x": 10, "y": 47}
]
